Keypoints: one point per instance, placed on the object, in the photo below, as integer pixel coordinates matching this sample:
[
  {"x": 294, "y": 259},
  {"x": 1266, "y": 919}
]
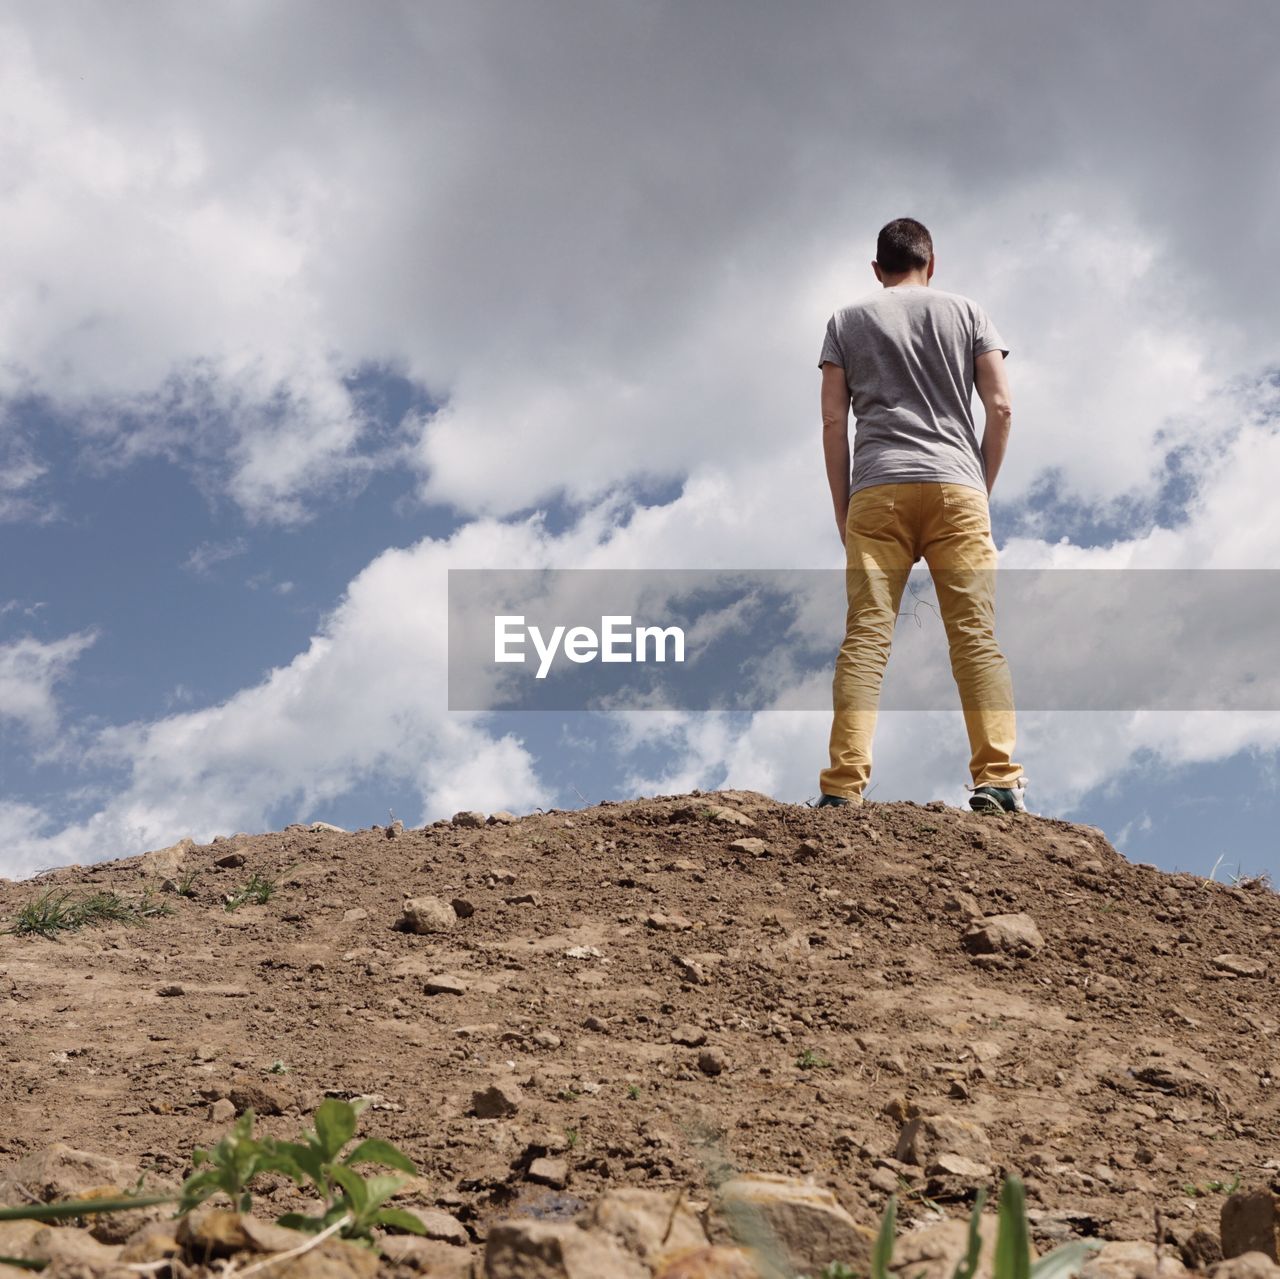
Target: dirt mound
[{"x": 669, "y": 992}]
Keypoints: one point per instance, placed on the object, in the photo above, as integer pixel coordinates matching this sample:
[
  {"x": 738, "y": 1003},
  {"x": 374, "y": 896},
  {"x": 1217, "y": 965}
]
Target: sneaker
[
  {"x": 832, "y": 801},
  {"x": 1000, "y": 799}
]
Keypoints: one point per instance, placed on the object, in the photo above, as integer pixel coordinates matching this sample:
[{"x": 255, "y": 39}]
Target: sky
[{"x": 305, "y": 303}]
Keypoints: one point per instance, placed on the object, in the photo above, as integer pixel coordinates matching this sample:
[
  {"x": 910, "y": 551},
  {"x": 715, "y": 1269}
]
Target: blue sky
[{"x": 300, "y": 314}]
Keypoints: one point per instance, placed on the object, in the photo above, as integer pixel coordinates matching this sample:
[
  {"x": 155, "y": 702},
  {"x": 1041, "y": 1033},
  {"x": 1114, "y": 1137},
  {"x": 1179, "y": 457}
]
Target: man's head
[{"x": 904, "y": 248}]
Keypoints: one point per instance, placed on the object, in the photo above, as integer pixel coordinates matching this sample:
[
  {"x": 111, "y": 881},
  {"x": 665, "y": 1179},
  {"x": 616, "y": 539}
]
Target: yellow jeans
[{"x": 891, "y": 526}]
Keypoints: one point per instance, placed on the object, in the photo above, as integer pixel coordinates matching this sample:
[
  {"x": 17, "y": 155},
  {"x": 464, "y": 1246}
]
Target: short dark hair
[{"x": 903, "y": 245}]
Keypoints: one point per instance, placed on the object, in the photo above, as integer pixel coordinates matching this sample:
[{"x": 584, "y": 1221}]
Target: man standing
[{"x": 908, "y": 360}]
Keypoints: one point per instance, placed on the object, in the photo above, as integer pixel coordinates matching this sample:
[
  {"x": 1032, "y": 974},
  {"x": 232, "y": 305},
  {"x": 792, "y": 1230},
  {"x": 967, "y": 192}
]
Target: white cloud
[{"x": 30, "y": 670}]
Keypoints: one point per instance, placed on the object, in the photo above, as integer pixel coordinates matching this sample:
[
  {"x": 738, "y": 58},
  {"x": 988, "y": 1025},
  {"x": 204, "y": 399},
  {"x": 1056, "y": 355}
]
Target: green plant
[
  {"x": 811, "y": 1059},
  {"x": 1212, "y": 1187},
  {"x": 1012, "y": 1258},
  {"x": 71, "y": 1210},
  {"x": 566, "y": 1094},
  {"x": 277, "y": 1068},
  {"x": 259, "y": 889},
  {"x": 55, "y": 910},
  {"x": 571, "y": 1137},
  {"x": 351, "y": 1203},
  {"x": 633, "y": 1092},
  {"x": 186, "y": 884}
]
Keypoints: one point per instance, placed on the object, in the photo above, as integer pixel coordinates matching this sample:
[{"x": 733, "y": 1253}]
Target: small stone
[
  {"x": 500, "y": 1100},
  {"x": 395, "y": 830},
  {"x": 229, "y": 861},
  {"x": 883, "y": 1180},
  {"x": 549, "y": 1172},
  {"x": 502, "y": 818},
  {"x": 1240, "y": 965},
  {"x": 963, "y": 904},
  {"x": 354, "y": 915},
  {"x": 222, "y": 1111},
  {"x": 711, "y": 1061},
  {"x": 691, "y": 970},
  {"x": 1248, "y": 1265},
  {"x": 752, "y": 846},
  {"x": 427, "y": 915},
  {"x": 260, "y": 1097},
  {"x": 926, "y": 1138},
  {"x": 597, "y": 1024},
  {"x": 958, "y": 1167},
  {"x": 469, "y": 820},
  {"x": 808, "y": 851},
  {"x": 689, "y": 1036},
  {"x": 1014, "y": 934},
  {"x": 172, "y": 990},
  {"x": 546, "y": 1039},
  {"x": 524, "y": 899},
  {"x": 327, "y": 826},
  {"x": 673, "y": 923},
  {"x": 519, "y": 1249},
  {"x": 1250, "y": 1222},
  {"x": 445, "y": 984}
]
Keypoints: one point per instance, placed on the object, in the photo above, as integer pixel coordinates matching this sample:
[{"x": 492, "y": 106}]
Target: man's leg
[
  {"x": 878, "y": 541},
  {"x": 962, "y": 560}
]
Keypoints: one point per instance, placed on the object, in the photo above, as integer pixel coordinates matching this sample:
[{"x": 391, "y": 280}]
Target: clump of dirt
[{"x": 666, "y": 992}]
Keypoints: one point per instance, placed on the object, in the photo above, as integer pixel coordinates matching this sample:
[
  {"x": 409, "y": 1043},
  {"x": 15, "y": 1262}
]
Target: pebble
[
  {"x": 469, "y": 820},
  {"x": 668, "y": 923},
  {"x": 502, "y": 818},
  {"x": 754, "y": 847},
  {"x": 689, "y": 1036},
  {"x": 1240, "y": 965},
  {"x": 500, "y": 1100},
  {"x": 549, "y": 1172},
  {"x": 427, "y": 915},
  {"x": 229, "y": 861},
  {"x": 463, "y": 907},
  {"x": 354, "y": 915},
  {"x": 445, "y": 984},
  {"x": 172, "y": 989},
  {"x": 711, "y": 1061},
  {"x": 1014, "y": 934},
  {"x": 546, "y": 1039},
  {"x": 222, "y": 1111},
  {"x": 395, "y": 830}
]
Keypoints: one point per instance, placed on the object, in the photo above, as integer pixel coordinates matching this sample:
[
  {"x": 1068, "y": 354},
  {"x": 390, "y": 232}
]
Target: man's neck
[{"x": 920, "y": 278}]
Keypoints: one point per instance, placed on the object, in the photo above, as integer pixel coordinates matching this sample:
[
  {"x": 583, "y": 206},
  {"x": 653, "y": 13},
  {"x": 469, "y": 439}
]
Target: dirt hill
[{"x": 665, "y": 992}]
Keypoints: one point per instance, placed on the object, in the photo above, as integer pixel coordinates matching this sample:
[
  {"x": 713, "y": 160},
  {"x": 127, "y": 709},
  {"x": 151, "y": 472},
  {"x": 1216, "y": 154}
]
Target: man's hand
[
  {"x": 992, "y": 384},
  {"x": 835, "y": 440}
]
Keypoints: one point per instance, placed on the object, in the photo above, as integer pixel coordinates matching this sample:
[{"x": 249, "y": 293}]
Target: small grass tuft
[
  {"x": 260, "y": 889},
  {"x": 60, "y": 910},
  {"x": 811, "y": 1059}
]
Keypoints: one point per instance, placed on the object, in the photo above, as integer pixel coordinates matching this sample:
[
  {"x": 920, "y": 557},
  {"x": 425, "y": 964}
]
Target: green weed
[
  {"x": 571, "y": 1138},
  {"x": 186, "y": 883},
  {"x": 1193, "y": 1191},
  {"x": 59, "y": 910},
  {"x": 260, "y": 889},
  {"x": 811, "y": 1059},
  {"x": 633, "y": 1092}
]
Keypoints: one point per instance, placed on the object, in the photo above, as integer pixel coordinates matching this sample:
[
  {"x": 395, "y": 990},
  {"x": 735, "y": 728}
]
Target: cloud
[
  {"x": 204, "y": 557},
  {"x": 30, "y": 670}
]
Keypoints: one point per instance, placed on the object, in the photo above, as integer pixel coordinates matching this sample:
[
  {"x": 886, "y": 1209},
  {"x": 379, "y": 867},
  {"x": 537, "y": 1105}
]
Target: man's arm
[
  {"x": 993, "y": 390},
  {"x": 835, "y": 439}
]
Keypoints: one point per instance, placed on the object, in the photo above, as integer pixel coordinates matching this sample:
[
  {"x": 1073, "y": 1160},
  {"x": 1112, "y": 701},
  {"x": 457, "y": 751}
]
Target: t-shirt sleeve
[
  {"x": 832, "y": 350},
  {"x": 985, "y": 336}
]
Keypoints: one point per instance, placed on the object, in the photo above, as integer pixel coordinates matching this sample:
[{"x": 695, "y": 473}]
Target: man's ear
[
  {"x": 875, "y": 266},
  {"x": 933, "y": 261}
]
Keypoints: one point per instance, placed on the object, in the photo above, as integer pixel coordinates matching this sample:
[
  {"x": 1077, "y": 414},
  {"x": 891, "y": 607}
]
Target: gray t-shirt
[{"x": 907, "y": 354}]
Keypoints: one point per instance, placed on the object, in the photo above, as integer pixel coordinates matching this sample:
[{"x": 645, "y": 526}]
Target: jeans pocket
[{"x": 870, "y": 513}]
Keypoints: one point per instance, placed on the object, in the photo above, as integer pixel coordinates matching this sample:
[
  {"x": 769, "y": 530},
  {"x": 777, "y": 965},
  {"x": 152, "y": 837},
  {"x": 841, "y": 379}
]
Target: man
[{"x": 907, "y": 360}]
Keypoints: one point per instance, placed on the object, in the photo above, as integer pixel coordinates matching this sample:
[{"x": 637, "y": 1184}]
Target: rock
[
  {"x": 959, "y": 1168},
  {"x": 463, "y": 907},
  {"x": 799, "y": 1226},
  {"x": 652, "y": 1224},
  {"x": 444, "y": 984},
  {"x": 229, "y": 861},
  {"x": 172, "y": 990},
  {"x": 546, "y": 1039},
  {"x": 752, "y": 846},
  {"x": 691, "y": 970},
  {"x": 166, "y": 861},
  {"x": 1004, "y": 934},
  {"x": 1248, "y": 1265},
  {"x": 433, "y": 1257},
  {"x": 354, "y": 915},
  {"x": 1250, "y": 1222},
  {"x": 556, "y": 1250},
  {"x": 673, "y": 923},
  {"x": 442, "y": 1226},
  {"x": 883, "y": 1180},
  {"x": 926, "y": 1138},
  {"x": 523, "y": 899},
  {"x": 155, "y": 1241},
  {"x": 222, "y": 1111},
  {"x": 216, "y": 1232},
  {"x": 935, "y": 1251},
  {"x": 502, "y": 818},
  {"x": 689, "y": 1036},
  {"x": 807, "y": 851},
  {"x": 247, "y": 1093},
  {"x": 711, "y": 1061},
  {"x": 710, "y": 1263},
  {"x": 395, "y": 830},
  {"x": 500, "y": 1100},
  {"x": 61, "y": 1172},
  {"x": 322, "y": 826},
  {"x": 424, "y": 915},
  {"x": 469, "y": 820},
  {"x": 1124, "y": 1259},
  {"x": 963, "y": 904},
  {"x": 1240, "y": 965},
  {"x": 549, "y": 1172},
  {"x": 67, "y": 1246},
  {"x": 16, "y": 1237}
]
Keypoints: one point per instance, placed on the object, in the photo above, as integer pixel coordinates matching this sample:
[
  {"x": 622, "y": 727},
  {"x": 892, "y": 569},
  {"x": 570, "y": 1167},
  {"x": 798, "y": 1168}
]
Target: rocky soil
[{"x": 554, "y": 1012}]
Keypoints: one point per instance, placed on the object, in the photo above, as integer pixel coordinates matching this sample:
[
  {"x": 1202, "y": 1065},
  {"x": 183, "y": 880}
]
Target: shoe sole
[{"x": 985, "y": 804}]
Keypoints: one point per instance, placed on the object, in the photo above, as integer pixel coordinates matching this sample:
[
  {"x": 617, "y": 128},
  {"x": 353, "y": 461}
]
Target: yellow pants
[{"x": 890, "y": 527}]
